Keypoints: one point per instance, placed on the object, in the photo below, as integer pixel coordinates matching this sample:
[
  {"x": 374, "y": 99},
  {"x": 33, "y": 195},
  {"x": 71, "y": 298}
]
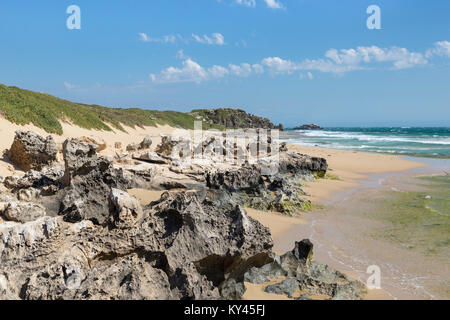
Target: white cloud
[
  {"x": 401, "y": 58},
  {"x": 274, "y": 4},
  {"x": 164, "y": 39},
  {"x": 218, "y": 72},
  {"x": 279, "y": 66},
  {"x": 216, "y": 38},
  {"x": 441, "y": 48},
  {"x": 69, "y": 86},
  {"x": 334, "y": 61},
  {"x": 247, "y": 3},
  {"x": 190, "y": 72}
]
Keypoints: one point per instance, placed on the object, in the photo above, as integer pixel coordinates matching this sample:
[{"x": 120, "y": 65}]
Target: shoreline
[{"x": 369, "y": 172}]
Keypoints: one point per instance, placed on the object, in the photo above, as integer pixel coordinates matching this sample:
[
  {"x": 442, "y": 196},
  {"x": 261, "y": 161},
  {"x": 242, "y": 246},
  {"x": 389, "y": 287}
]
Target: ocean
[{"x": 429, "y": 142}]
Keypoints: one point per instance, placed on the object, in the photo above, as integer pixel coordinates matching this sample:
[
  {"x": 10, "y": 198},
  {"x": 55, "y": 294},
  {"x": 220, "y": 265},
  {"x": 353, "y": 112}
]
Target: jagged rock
[
  {"x": 182, "y": 248},
  {"x": 283, "y": 147},
  {"x": 146, "y": 143},
  {"x": 303, "y": 251},
  {"x": 124, "y": 209},
  {"x": 150, "y": 157},
  {"x": 23, "y": 211},
  {"x": 118, "y": 145},
  {"x": 288, "y": 287},
  {"x": 31, "y": 151},
  {"x": 235, "y": 179},
  {"x": 308, "y": 127},
  {"x": 234, "y": 118},
  {"x": 99, "y": 142},
  {"x": 269, "y": 271},
  {"x": 80, "y": 158},
  {"x": 48, "y": 180},
  {"x": 89, "y": 179},
  {"x": 30, "y": 194},
  {"x": 174, "y": 147},
  {"x": 230, "y": 289},
  {"x": 292, "y": 162},
  {"x": 138, "y": 176},
  {"x": 305, "y": 277},
  {"x": 132, "y": 147}
]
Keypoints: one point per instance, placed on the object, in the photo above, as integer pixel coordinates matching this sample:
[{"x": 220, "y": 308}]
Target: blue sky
[{"x": 294, "y": 61}]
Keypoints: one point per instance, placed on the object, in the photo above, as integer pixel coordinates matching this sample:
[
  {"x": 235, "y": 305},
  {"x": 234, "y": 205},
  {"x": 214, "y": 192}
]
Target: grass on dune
[{"x": 47, "y": 112}]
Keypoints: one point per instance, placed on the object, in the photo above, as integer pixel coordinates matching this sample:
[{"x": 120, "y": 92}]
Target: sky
[{"x": 293, "y": 61}]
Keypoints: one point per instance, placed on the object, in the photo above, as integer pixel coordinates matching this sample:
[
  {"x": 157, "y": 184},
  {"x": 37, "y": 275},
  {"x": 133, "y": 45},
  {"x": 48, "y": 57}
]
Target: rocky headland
[
  {"x": 308, "y": 127},
  {"x": 69, "y": 229},
  {"x": 234, "y": 118}
]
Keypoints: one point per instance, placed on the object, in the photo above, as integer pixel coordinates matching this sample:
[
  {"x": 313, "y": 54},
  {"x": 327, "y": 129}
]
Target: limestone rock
[
  {"x": 125, "y": 210},
  {"x": 146, "y": 143},
  {"x": 31, "y": 151},
  {"x": 23, "y": 211},
  {"x": 150, "y": 157},
  {"x": 99, "y": 142},
  {"x": 132, "y": 147}
]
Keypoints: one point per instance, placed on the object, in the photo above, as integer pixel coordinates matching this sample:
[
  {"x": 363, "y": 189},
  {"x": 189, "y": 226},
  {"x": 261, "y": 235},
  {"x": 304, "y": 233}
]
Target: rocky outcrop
[
  {"x": 132, "y": 147},
  {"x": 88, "y": 179},
  {"x": 183, "y": 247},
  {"x": 124, "y": 210},
  {"x": 282, "y": 192},
  {"x": 304, "y": 278},
  {"x": 31, "y": 151},
  {"x": 99, "y": 142},
  {"x": 146, "y": 143},
  {"x": 22, "y": 211},
  {"x": 74, "y": 232},
  {"x": 234, "y": 118},
  {"x": 308, "y": 127}
]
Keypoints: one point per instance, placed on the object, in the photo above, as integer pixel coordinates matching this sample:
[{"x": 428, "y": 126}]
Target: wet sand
[{"x": 345, "y": 236}]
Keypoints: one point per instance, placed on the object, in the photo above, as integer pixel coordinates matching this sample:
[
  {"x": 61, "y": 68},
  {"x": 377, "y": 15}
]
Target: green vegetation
[
  {"x": 330, "y": 176},
  {"x": 419, "y": 220},
  {"x": 45, "y": 111}
]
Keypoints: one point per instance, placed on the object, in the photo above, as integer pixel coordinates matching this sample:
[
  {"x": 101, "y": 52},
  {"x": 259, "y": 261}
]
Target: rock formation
[
  {"x": 74, "y": 232},
  {"x": 235, "y": 118},
  {"x": 31, "y": 151},
  {"x": 308, "y": 127}
]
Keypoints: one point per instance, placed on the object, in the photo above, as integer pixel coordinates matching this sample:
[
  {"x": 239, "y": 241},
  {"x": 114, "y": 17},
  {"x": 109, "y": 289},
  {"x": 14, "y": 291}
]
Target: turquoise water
[{"x": 434, "y": 142}]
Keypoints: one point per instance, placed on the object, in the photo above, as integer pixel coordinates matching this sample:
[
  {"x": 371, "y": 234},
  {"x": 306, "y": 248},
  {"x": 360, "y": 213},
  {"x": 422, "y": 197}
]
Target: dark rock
[
  {"x": 288, "y": 287},
  {"x": 230, "y": 289},
  {"x": 182, "y": 248},
  {"x": 235, "y": 118},
  {"x": 308, "y": 127},
  {"x": 303, "y": 251},
  {"x": 89, "y": 180},
  {"x": 235, "y": 179},
  {"x": 146, "y": 143},
  {"x": 31, "y": 151},
  {"x": 265, "y": 273},
  {"x": 48, "y": 181}
]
